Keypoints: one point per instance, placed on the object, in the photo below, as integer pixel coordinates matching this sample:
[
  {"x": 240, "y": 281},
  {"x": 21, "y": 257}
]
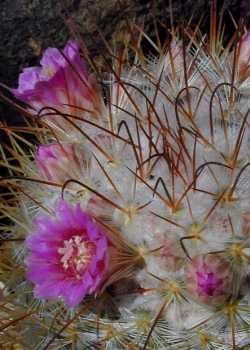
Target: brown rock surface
[{"x": 29, "y": 26}]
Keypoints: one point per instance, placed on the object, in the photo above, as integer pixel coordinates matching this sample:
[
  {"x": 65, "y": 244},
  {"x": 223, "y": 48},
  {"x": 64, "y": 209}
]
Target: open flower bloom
[
  {"x": 62, "y": 83},
  {"x": 209, "y": 278},
  {"x": 60, "y": 162},
  {"x": 69, "y": 255}
]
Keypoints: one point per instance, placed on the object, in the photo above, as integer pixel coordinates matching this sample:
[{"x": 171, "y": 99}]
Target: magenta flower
[
  {"x": 60, "y": 81},
  {"x": 208, "y": 277},
  {"x": 69, "y": 255},
  {"x": 59, "y": 163}
]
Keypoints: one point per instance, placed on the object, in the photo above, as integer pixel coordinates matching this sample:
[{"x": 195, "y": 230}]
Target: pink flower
[
  {"x": 61, "y": 80},
  {"x": 59, "y": 163},
  {"x": 208, "y": 277},
  {"x": 69, "y": 255}
]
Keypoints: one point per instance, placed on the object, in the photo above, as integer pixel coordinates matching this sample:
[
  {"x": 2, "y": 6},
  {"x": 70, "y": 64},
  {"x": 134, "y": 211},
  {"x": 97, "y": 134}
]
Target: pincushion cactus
[{"x": 130, "y": 220}]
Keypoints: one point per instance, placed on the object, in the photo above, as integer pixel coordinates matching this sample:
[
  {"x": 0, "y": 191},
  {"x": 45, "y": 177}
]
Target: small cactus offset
[{"x": 127, "y": 225}]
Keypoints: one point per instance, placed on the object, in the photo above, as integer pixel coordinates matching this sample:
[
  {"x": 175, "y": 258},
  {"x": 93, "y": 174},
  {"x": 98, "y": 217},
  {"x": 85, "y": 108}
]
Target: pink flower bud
[
  {"x": 208, "y": 278},
  {"x": 60, "y": 162},
  {"x": 244, "y": 56},
  {"x": 246, "y": 223},
  {"x": 170, "y": 254}
]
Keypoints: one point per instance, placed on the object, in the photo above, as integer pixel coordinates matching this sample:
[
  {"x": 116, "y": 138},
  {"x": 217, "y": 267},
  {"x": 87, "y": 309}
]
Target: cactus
[{"x": 127, "y": 227}]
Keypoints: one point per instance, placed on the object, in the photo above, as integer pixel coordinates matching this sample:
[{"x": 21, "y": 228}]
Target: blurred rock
[{"x": 29, "y": 26}]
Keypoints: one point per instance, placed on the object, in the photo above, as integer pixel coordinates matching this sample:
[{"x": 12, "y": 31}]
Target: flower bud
[
  {"x": 170, "y": 254},
  {"x": 208, "y": 278},
  {"x": 59, "y": 163},
  {"x": 246, "y": 223},
  {"x": 244, "y": 57}
]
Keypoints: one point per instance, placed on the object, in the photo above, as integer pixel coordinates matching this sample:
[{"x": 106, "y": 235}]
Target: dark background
[{"x": 27, "y": 27}]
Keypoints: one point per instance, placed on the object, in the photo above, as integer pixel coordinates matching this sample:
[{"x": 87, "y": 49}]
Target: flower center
[
  {"x": 49, "y": 71},
  {"x": 208, "y": 283},
  {"x": 75, "y": 255}
]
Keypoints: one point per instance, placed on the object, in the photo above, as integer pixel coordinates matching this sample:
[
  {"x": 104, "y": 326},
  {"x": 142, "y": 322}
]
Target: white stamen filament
[{"x": 75, "y": 254}]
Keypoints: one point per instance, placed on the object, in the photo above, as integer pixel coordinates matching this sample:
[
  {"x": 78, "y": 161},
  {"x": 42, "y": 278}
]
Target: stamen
[{"x": 75, "y": 255}]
